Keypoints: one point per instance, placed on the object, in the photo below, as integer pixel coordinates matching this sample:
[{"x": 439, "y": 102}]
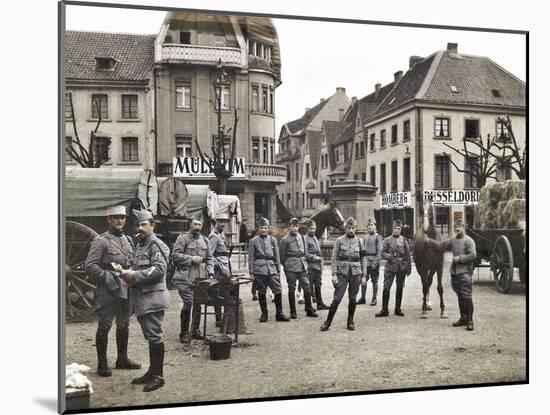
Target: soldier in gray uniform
[
  {"x": 314, "y": 263},
  {"x": 263, "y": 266},
  {"x": 111, "y": 247},
  {"x": 373, "y": 249},
  {"x": 193, "y": 260},
  {"x": 149, "y": 295},
  {"x": 218, "y": 247},
  {"x": 293, "y": 254},
  {"x": 349, "y": 268},
  {"x": 464, "y": 254},
  {"x": 396, "y": 252}
]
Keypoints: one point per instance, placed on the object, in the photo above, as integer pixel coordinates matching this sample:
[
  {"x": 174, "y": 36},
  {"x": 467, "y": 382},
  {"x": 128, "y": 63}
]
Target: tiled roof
[
  {"x": 347, "y": 135},
  {"x": 314, "y": 140},
  {"x": 342, "y": 168},
  {"x": 301, "y": 123},
  {"x": 368, "y": 104},
  {"x": 134, "y": 56}
]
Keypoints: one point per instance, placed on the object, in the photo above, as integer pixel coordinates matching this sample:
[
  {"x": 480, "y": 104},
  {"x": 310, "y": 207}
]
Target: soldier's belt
[
  {"x": 217, "y": 254},
  {"x": 347, "y": 258},
  {"x": 371, "y": 253},
  {"x": 296, "y": 255},
  {"x": 271, "y": 258}
]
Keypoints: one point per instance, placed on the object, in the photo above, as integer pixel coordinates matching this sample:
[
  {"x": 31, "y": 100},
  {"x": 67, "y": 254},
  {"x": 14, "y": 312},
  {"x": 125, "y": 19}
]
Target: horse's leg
[
  {"x": 440, "y": 291},
  {"x": 425, "y": 292},
  {"x": 429, "y": 280}
]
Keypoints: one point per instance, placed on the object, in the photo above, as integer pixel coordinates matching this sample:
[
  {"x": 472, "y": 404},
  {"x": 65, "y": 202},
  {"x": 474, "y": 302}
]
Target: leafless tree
[
  {"x": 512, "y": 156},
  {"x": 86, "y": 157}
]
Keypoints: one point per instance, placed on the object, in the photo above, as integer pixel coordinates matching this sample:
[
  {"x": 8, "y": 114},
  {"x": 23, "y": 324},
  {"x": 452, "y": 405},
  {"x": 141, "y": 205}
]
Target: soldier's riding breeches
[
  {"x": 151, "y": 326},
  {"x": 390, "y": 276},
  {"x": 293, "y": 277},
  {"x": 462, "y": 285},
  {"x": 272, "y": 281},
  {"x": 373, "y": 274},
  {"x": 185, "y": 290},
  {"x": 315, "y": 278},
  {"x": 111, "y": 307},
  {"x": 349, "y": 282}
]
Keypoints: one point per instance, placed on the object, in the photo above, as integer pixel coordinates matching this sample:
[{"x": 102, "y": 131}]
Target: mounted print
[{"x": 265, "y": 207}]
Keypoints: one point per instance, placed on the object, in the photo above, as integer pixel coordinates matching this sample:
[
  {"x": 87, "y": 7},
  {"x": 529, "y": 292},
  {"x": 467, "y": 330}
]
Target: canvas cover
[
  {"x": 231, "y": 205},
  {"x": 89, "y": 192},
  {"x": 200, "y": 196},
  {"x": 173, "y": 197}
]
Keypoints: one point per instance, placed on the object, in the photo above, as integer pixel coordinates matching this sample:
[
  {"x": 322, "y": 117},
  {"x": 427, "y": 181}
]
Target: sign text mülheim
[
  {"x": 197, "y": 167},
  {"x": 395, "y": 200},
  {"x": 452, "y": 197}
]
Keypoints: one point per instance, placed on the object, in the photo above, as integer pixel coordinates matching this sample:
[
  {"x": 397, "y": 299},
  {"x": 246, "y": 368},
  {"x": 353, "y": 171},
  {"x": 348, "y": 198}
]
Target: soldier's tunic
[
  {"x": 112, "y": 291},
  {"x": 293, "y": 254},
  {"x": 349, "y": 263},
  {"x": 218, "y": 247},
  {"x": 461, "y": 272},
  {"x": 188, "y": 245},
  {"x": 396, "y": 252},
  {"x": 373, "y": 249},
  {"x": 314, "y": 263},
  {"x": 149, "y": 296},
  {"x": 263, "y": 262}
]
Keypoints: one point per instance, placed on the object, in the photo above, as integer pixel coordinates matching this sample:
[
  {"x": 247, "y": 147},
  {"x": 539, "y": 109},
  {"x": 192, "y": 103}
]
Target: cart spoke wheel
[
  {"x": 502, "y": 264},
  {"x": 80, "y": 287}
]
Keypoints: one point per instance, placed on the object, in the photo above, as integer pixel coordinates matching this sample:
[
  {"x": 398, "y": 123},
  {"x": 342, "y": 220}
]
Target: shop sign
[
  {"x": 197, "y": 167},
  {"x": 395, "y": 200},
  {"x": 452, "y": 197}
]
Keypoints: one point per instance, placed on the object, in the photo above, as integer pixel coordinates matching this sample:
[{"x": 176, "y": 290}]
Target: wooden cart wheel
[
  {"x": 80, "y": 288},
  {"x": 502, "y": 264}
]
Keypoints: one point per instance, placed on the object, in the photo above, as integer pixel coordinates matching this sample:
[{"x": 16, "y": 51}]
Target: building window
[
  {"x": 470, "y": 173},
  {"x": 441, "y": 127},
  {"x": 471, "y": 129},
  {"x": 129, "y": 106},
  {"x": 303, "y": 201},
  {"x": 364, "y": 176},
  {"x": 355, "y": 177},
  {"x": 296, "y": 171},
  {"x": 356, "y": 150},
  {"x": 288, "y": 172},
  {"x": 307, "y": 170},
  {"x": 288, "y": 199},
  {"x": 394, "y": 176},
  {"x": 394, "y": 134},
  {"x": 183, "y": 96},
  {"x": 502, "y": 131},
  {"x": 406, "y": 130},
  {"x": 265, "y": 100},
  {"x": 265, "y": 150},
  {"x": 104, "y": 64},
  {"x": 373, "y": 175},
  {"x": 337, "y": 156},
  {"x": 382, "y": 138},
  {"x": 371, "y": 141},
  {"x": 130, "y": 149},
  {"x": 100, "y": 148},
  {"x": 406, "y": 174},
  {"x": 362, "y": 148},
  {"x": 346, "y": 152},
  {"x": 68, "y": 146},
  {"x": 255, "y": 150},
  {"x": 184, "y": 146},
  {"x": 442, "y": 220},
  {"x": 185, "y": 38},
  {"x": 383, "y": 178},
  {"x": 297, "y": 200},
  {"x": 322, "y": 187},
  {"x": 504, "y": 173},
  {"x": 271, "y": 150},
  {"x": 100, "y": 105},
  {"x": 255, "y": 98},
  {"x": 219, "y": 40},
  {"x": 225, "y": 97},
  {"x": 251, "y": 47},
  {"x": 68, "y": 111},
  {"x": 442, "y": 172},
  {"x": 271, "y": 101}
]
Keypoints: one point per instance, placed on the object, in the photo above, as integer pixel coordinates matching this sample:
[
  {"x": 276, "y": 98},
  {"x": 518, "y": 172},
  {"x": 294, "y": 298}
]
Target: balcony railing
[
  {"x": 266, "y": 172},
  {"x": 201, "y": 54}
]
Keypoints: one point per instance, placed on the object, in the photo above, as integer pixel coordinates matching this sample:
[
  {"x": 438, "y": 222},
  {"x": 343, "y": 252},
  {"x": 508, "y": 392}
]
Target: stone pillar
[
  {"x": 354, "y": 198},
  {"x": 272, "y": 202}
]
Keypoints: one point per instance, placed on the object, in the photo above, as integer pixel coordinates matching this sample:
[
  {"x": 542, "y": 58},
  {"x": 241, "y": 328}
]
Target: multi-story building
[
  {"x": 296, "y": 153},
  {"x": 188, "y": 49},
  {"x": 108, "y": 76},
  {"x": 447, "y": 97}
]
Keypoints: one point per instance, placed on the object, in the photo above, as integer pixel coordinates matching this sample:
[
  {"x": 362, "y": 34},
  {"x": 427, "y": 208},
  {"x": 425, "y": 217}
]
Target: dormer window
[
  {"x": 496, "y": 93},
  {"x": 454, "y": 89},
  {"x": 104, "y": 64}
]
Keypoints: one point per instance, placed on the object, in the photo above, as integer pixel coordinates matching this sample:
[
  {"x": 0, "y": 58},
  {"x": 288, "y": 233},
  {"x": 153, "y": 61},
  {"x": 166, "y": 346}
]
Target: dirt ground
[{"x": 296, "y": 358}]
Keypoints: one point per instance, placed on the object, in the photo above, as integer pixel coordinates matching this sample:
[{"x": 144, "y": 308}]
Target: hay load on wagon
[{"x": 502, "y": 206}]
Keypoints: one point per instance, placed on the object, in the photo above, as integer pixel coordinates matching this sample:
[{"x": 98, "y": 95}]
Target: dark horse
[{"x": 428, "y": 261}]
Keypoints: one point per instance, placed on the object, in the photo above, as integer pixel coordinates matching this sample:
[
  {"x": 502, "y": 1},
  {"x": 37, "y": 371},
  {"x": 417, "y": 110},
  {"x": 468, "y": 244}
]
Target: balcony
[
  {"x": 266, "y": 173},
  {"x": 205, "y": 55}
]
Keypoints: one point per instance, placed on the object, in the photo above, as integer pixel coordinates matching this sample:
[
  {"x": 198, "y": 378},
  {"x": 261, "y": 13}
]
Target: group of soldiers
[{"x": 131, "y": 277}]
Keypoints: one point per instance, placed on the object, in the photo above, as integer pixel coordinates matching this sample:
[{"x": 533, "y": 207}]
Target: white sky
[{"x": 317, "y": 57}]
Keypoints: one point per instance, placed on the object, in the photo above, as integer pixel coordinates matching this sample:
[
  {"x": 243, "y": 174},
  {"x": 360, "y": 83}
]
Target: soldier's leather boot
[
  {"x": 310, "y": 311},
  {"x": 143, "y": 380},
  {"x": 101, "y": 341},
  {"x": 374, "y": 293},
  {"x": 218, "y": 313},
  {"x": 385, "y": 301},
  {"x": 185, "y": 315},
  {"x": 469, "y": 314},
  {"x": 292, "y": 304},
  {"x": 279, "y": 316},
  {"x": 398, "y": 298},
  {"x": 263, "y": 306},
  {"x": 156, "y": 380},
  {"x": 122, "y": 361},
  {"x": 320, "y": 304},
  {"x": 363, "y": 299},
  {"x": 351, "y": 312},
  {"x": 254, "y": 291},
  {"x": 462, "y": 320},
  {"x": 196, "y": 333},
  {"x": 331, "y": 312}
]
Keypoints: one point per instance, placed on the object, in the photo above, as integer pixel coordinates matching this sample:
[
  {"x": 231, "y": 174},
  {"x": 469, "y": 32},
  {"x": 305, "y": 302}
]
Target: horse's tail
[{"x": 420, "y": 234}]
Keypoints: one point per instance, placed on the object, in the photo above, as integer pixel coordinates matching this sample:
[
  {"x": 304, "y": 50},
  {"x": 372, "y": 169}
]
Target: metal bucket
[{"x": 220, "y": 347}]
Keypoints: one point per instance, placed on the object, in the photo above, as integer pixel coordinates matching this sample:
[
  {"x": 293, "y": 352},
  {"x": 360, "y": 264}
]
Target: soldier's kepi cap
[
  {"x": 294, "y": 221},
  {"x": 222, "y": 216},
  {"x": 310, "y": 223},
  {"x": 397, "y": 224},
  {"x": 371, "y": 221},
  {"x": 143, "y": 215},
  {"x": 350, "y": 222},
  {"x": 459, "y": 222},
  {"x": 117, "y": 211},
  {"x": 263, "y": 222}
]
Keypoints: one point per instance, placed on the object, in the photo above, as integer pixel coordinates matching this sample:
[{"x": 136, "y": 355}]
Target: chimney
[
  {"x": 377, "y": 89},
  {"x": 397, "y": 76},
  {"x": 353, "y": 100},
  {"x": 413, "y": 60},
  {"x": 340, "y": 89},
  {"x": 452, "y": 47},
  {"x": 322, "y": 100}
]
